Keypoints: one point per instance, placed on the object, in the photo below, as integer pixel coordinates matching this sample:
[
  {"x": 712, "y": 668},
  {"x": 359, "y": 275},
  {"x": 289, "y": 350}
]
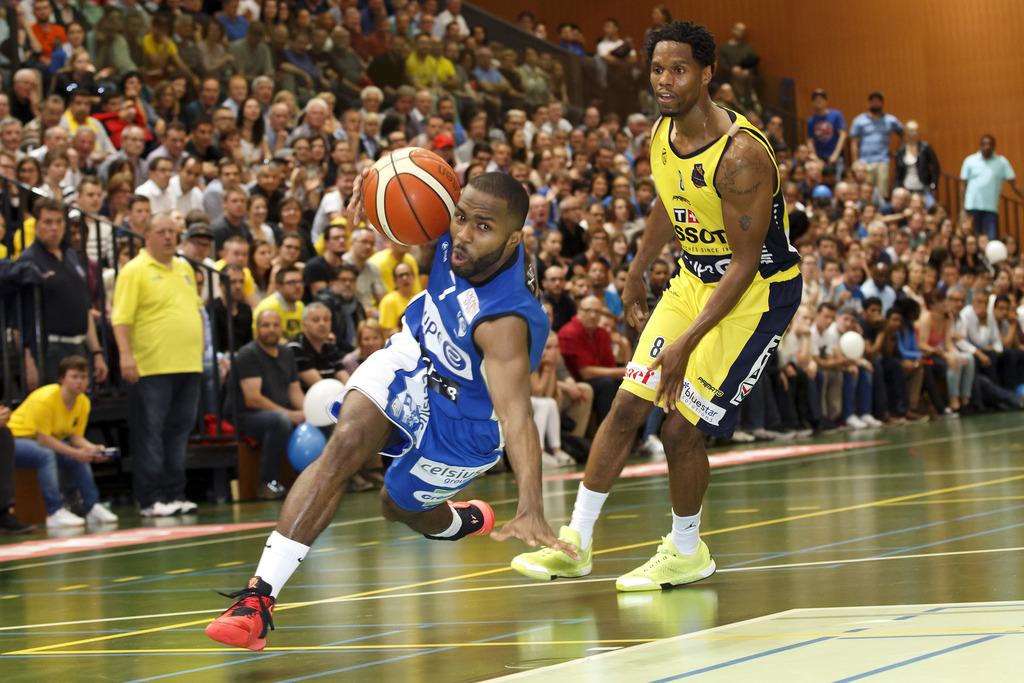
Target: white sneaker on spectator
[
  {"x": 741, "y": 436},
  {"x": 563, "y": 458},
  {"x": 548, "y": 461},
  {"x": 870, "y": 420},
  {"x": 159, "y": 509},
  {"x": 100, "y": 515},
  {"x": 183, "y": 507},
  {"x": 854, "y": 422},
  {"x": 949, "y": 413},
  {"x": 63, "y": 519},
  {"x": 654, "y": 447},
  {"x": 784, "y": 435},
  {"x": 763, "y": 435}
]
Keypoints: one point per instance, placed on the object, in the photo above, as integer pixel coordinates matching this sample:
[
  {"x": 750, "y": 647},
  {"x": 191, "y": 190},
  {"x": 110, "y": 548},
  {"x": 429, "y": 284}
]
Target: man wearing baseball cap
[{"x": 444, "y": 146}]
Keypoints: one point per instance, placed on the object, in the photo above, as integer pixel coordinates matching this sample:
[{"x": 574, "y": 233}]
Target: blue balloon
[
  {"x": 1020, "y": 389},
  {"x": 305, "y": 445}
]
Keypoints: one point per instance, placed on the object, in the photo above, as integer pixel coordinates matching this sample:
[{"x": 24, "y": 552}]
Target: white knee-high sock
[
  {"x": 585, "y": 512},
  {"x": 686, "y": 532},
  {"x": 280, "y": 559}
]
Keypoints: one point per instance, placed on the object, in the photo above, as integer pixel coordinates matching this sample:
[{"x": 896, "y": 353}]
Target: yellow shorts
[{"x": 729, "y": 359}]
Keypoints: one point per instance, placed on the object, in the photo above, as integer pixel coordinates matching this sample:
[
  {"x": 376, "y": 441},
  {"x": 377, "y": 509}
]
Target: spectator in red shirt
[
  {"x": 587, "y": 350},
  {"x": 46, "y": 33}
]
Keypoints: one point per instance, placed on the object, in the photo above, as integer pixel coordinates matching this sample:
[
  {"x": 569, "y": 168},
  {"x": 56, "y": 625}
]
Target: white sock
[
  {"x": 686, "y": 532},
  {"x": 280, "y": 559},
  {"x": 454, "y": 528},
  {"x": 585, "y": 512}
]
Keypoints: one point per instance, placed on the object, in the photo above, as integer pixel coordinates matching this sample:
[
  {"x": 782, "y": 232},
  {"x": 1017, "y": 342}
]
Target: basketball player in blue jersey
[
  {"x": 709, "y": 338},
  {"x": 425, "y": 400}
]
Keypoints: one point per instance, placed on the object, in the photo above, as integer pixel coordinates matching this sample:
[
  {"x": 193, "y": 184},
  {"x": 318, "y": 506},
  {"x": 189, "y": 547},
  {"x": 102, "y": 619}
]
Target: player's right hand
[
  {"x": 533, "y": 530},
  {"x": 634, "y": 300}
]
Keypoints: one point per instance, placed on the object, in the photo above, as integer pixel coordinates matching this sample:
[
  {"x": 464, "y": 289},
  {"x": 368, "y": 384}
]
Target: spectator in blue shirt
[
  {"x": 827, "y": 128},
  {"x": 871, "y": 132},
  {"x": 981, "y": 182},
  {"x": 235, "y": 27}
]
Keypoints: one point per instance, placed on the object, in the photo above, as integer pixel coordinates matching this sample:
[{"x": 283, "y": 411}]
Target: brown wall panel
[{"x": 955, "y": 67}]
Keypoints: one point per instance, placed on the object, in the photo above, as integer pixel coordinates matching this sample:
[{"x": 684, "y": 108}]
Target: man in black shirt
[
  {"x": 241, "y": 312},
  {"x": 346, "y": 309},
  {"x": 554, "y": 293},
  {"x": 317, "y": 272},
  {"x": 232, "y": 223},
  {"x": 316, "y": 357},
  {"x": 387, "y": 70},
  {"x": 271, "y": 398},
  {"x": 67, "y": 327}
]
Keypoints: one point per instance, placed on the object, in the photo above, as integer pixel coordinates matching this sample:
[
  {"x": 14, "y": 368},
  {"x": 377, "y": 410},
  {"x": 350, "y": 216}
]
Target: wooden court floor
[{"x": 890, "y": 555}]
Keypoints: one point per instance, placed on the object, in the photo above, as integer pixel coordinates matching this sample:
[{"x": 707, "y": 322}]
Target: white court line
[
  {"x": 631, "y": 651},
  {"x": 539, "y": 584}
]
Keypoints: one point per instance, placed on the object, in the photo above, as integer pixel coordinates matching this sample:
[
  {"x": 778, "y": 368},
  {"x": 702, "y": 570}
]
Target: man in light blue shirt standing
[
  {"x": 870, "y": 133},
  {"x": 981, "y": 182}
]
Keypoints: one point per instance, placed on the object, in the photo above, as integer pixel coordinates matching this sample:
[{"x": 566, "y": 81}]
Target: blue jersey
[{"x": 444, "y": 318}]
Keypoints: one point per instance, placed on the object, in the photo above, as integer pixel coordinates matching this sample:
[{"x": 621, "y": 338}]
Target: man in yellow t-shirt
[
  {"x": 393, "y": 305},
  {"x": 159, "y": 335},
  {"x": 421, "y": 66},
  {"x": 287, "y": 301},
  {"x": 49, "y": 433},
  {"x": 387, "y": 259}
]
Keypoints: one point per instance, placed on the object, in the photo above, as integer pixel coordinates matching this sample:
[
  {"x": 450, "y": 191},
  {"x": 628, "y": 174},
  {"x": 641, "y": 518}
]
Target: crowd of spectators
[{"x": 224, "y": 140}]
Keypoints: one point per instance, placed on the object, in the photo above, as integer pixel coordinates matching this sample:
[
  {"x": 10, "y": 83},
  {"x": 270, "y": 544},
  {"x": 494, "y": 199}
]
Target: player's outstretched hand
[
  {"x": 634, "y": 301},
  {"x": 533, "y": 530},
  {"x": 354, "y": 211}
]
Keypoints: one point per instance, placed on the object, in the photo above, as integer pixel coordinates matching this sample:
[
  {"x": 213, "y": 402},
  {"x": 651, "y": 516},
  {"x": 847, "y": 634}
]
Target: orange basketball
[{"x": 409, "y": 196}]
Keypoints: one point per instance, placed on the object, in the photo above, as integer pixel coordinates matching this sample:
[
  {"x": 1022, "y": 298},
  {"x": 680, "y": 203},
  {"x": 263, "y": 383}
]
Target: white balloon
[
  {"x": 315, "y": 404},
  {"x": 852, "y": 345},
  {"x": 995, "y": 252}
]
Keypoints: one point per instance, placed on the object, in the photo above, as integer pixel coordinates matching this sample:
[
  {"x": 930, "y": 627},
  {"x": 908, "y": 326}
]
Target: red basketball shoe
[
  {"x": 477, "y": 519},
  {"x": 245, "y": 623}
]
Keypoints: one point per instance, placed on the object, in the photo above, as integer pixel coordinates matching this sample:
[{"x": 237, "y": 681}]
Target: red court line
[
  {"x": 116, "y": 539},
  {"x": 731, "y": 458}
]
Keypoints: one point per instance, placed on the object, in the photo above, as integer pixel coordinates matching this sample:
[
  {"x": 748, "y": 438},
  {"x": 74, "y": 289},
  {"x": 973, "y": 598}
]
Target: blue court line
[
  {"x": 878, "y": 535},
  {"x": 408, "y": 656},
  {"x": 914, "y": 660},
  {"x": 742, "y": 660},
  {"x": 247, "y": 660}
]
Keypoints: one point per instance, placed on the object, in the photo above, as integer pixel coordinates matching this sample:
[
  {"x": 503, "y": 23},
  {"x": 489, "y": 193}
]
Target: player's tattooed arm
[{"x": 746, "y": 180}]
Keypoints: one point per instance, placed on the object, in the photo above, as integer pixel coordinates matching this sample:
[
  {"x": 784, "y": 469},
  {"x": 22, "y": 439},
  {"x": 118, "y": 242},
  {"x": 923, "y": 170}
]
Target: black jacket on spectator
[
  {"x": 241, "y": 324},
  {"x": 927, "y": 165},
  {"x": 345, "y": 317}
]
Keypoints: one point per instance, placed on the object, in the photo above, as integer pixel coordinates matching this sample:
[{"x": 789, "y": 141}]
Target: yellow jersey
[
  {"x": 161, "y": 305},
  {"x": 686, "y": 185},
  {"x": 44, "y": 412},
  {"x": 291, "y": 319}
]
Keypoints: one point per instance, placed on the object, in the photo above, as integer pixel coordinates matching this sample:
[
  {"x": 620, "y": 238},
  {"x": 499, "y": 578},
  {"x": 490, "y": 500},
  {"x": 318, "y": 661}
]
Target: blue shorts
[{"x": 437, "y": 452}]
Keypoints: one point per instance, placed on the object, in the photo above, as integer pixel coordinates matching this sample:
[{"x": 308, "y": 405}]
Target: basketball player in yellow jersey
[{"x": 711, "y": 335}]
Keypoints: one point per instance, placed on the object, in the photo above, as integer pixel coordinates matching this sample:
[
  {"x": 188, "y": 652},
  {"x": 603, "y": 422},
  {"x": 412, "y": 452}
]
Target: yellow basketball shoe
[
  {"x": 547, "y": 564},
  {"x": 668, "y": 568}
]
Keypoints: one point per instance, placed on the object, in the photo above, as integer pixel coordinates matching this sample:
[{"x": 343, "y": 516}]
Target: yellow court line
[
  {"x": 180, "y": 571},
  {"x": 487, "y": 572},
  {"x": 229, "y": 564},
  {"x": 72, "y": 588},
  {"x": 515, "y": 643},
  {"x": 126, "y": 578},
  {"x": 742, "y": 511}
]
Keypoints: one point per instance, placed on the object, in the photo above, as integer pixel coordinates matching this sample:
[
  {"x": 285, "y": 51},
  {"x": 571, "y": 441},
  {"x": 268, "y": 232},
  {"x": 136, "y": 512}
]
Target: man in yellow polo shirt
[
  {"x": 287, "y": 301},
  {"x": 49, "y": 433},
  {"x": 159, "y": 335}
]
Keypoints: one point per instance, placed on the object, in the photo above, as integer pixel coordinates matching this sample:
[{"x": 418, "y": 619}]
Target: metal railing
[{"x": 22, "y": 316}]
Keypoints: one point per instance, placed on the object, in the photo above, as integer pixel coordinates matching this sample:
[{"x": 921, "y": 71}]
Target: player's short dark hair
[
  {"x": 504, "y": 186},
  {"x": 700, "y": 40}
]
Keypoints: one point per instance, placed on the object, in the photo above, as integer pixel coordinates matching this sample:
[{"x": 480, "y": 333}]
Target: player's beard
[{"x": 473, "y": 267}]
